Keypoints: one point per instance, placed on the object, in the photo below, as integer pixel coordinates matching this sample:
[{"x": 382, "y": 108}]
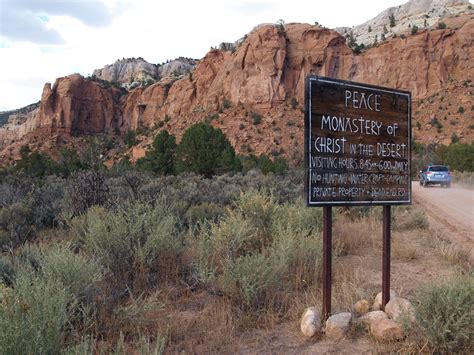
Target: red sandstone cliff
[
  {"x": 75, "y": 105},
  {"x": 264, "y": 76}
]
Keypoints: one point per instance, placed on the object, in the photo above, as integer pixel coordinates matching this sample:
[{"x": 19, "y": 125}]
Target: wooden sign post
[{"x": 357, "y": 152}]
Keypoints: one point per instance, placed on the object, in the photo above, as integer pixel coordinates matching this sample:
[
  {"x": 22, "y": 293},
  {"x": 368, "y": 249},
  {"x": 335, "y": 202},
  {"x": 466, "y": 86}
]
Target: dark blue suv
[{"x": 435, "y": 174}]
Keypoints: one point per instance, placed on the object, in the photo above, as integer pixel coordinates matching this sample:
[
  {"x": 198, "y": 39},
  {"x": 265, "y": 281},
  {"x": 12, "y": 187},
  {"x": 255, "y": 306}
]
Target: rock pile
[{"x": 381, "y": 325}]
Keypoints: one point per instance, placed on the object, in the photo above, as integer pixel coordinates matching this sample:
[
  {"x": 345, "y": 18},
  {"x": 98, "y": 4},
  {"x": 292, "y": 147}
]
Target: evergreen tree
[
  {"x": 205, "y": 150},
  {"x": 392, "y": 20},
  {"x": 161, "y": 157}
]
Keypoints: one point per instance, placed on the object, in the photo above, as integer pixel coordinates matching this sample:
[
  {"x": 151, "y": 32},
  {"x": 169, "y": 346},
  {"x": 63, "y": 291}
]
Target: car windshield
[{"x": 438, "y": 168}]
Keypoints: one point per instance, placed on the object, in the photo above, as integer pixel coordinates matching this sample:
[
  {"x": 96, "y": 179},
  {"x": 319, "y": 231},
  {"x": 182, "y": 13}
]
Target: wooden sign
[{"x": 357, "y": 143}]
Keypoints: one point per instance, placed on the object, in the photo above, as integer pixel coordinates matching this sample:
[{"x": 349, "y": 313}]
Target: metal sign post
[
  {"x": 327, "y": 260},
  {"x": 386, "y": 255},
  {"x": 357, "y": 152}
]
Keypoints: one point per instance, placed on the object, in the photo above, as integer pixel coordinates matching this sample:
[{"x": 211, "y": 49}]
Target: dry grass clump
[
  {"x": 451, "y": 252},
  {"x": 352, "y": 236},
  {"x": 403, "y": 246},
  {"x": 350, "y": 284},
  {"x": 408, "y": 218}
]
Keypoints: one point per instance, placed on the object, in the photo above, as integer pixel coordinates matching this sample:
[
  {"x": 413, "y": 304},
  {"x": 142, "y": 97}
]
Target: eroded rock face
[
  {"x": 17, "y": 126},
  {"x": 264, "y": 75},
  {"x": 128, "y": 71},
  {"x": 76, "y": 106},
  {"x": 177, "y": 67},
  {"x": 420, "y": 13}
]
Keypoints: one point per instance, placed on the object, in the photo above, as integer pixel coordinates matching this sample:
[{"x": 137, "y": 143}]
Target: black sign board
[{"x": 357, "y": 143}]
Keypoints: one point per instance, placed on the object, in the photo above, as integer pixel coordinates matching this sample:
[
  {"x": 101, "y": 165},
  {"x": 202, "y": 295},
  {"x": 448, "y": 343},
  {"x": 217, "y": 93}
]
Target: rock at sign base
[
  {"x": 372, "y": 317},
  {"x": 361, "y": 307},
  {"x": 400, "y": 309},
  {"x": 386, "y": 330},
  {"x": 310, "y": 322},
  {"x": 337, "y": 325},
  {"x": 378, "y": 300}
]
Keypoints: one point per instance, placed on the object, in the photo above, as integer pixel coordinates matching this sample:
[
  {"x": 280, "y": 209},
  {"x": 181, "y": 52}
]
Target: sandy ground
[{"x": 451, "y": 211}]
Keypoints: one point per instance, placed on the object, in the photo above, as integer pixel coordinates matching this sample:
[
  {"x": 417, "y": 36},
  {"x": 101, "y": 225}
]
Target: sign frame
[{"x": 310, "y": 80}]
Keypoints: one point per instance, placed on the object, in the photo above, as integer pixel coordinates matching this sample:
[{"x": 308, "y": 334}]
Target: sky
[{"x": 41, "y": 40}]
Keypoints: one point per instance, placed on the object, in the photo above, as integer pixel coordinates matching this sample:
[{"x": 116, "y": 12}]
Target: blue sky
[{"x": 41, "y": 40}]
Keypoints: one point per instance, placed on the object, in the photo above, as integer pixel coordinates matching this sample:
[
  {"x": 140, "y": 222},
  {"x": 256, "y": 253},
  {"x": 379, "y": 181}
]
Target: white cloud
[{"x": 96, "y": 33}]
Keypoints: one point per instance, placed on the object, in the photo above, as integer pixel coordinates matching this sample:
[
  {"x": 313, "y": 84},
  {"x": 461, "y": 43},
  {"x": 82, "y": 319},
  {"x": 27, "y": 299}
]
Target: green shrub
[
  {"x": 35, "y": 163},
  {"x": 454, "y": 138},
  {"x": 280, "y": 165},
  {"x": 249, "y": 162},
  {"x": 227, "y": 104},
  {"x": 138, "y": 243},
  {"x": 249, "y": 279},
  {"x": 260, "y": 210},
  {"x": 16, "y": 224},
  {"x": 69, "y": 162},
  {"x": 256, "y": 118},
  {"x": 260, "y": 252},
  {"x": 48, "y": 299},
  {"x": 130, "y": 138},
  {"x": 441, "y": 25},
  {"x": 7, "y": 274},
  {"x": 76, "y": 273},
  {"x": 414, "y": 29},
  {"x": 204, "y": 212},
  {"x": 265, "y": 164},
  {"x": 294, "y": 102},
  {"x": 205, "y": 150},
  {"x": 34, "y": 315},
  {"x": 445, "y": 312}
]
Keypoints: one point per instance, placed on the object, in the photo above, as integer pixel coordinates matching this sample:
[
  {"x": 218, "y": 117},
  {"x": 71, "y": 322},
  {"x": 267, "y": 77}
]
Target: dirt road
[{"x": 451, "y": 211}]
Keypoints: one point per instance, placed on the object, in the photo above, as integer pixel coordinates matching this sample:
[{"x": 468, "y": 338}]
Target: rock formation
[
  {"x": 255, "y": 92},
  {"x": 423, "y": 14},
  {"x": 176, "y": 68},
  {"x": 75, "y": 106},
  {"x": 128, "y": 72}
]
